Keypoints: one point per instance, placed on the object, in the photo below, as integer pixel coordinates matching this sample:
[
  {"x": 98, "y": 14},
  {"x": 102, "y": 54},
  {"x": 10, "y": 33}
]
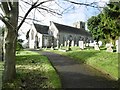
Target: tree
[
  {"x": 94, "y": 27},
  {"x": 106, "y": 24},
  {"x": 10, "y": 19},
  {"x": 110, "y": 21}
]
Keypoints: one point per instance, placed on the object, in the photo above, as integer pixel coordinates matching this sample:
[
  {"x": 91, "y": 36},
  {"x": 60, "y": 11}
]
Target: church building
[{"x": 57, "y": 35}]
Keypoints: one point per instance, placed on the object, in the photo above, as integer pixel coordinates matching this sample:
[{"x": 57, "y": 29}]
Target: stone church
[{"x": 57, "y": 35}]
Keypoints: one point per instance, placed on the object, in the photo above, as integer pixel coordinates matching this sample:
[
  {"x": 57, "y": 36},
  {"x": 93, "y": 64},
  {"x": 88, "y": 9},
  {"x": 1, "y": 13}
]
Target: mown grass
[
  {"x": 102, "y": 60},
  {"x": 34, "y": 71}
]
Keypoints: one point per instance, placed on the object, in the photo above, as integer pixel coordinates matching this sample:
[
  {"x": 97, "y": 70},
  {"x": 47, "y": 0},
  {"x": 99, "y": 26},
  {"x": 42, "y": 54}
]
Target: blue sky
[{"x": 73, "y": 14}]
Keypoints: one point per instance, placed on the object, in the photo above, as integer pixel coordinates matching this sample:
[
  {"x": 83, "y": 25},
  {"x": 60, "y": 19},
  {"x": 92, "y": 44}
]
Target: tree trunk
[
  {"x": 9, "y": 56},
  {"x": 11, "y": 11}
]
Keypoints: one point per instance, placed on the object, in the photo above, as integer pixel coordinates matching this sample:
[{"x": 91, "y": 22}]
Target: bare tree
[{"x": 10, "y": 18}]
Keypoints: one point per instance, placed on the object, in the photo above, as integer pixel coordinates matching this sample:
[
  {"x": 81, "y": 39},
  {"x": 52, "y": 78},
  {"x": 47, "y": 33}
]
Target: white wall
[
  {"x": 54, "y": 31},
  {"x": 31, "y": 42}
]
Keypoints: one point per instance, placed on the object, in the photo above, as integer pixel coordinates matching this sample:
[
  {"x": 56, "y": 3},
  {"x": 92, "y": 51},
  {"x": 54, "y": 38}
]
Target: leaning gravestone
[
  {"x": 81, "y": 44},
  {"x": 109, "y": 47}
]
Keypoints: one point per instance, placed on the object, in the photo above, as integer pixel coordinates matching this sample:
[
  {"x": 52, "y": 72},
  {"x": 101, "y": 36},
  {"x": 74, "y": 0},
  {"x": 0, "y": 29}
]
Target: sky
[{"x": 70, "y": 13}]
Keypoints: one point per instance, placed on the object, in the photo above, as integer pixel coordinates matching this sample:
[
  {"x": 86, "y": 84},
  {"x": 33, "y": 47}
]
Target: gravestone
[
  {"x": 68, "y": 45},
  {"x": 72, "y": 43},
  {"x": 96, "y": 47},
  {"x": 52, "y": 47},
  {"x": 109, "y": 47},
  {"x": 65, "y": 44},
  {"x": 118, "y": 45},
  {"x": 57, "y": 44},
  {"x": 100, "y": 43},
  {"x": 81, "y": 44}
]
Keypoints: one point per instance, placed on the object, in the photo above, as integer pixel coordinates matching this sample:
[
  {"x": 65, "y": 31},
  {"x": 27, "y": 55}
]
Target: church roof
[
  {"x": 69, "y": 29},
  {"x": 41, "y": 28}
]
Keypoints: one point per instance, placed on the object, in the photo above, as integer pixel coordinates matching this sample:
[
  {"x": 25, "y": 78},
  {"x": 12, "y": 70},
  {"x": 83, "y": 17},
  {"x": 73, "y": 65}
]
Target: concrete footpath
[{"x": 74, "y": 75}]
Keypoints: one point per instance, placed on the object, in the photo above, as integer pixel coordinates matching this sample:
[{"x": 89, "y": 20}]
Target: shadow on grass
[{"x": 31, "y": 73}]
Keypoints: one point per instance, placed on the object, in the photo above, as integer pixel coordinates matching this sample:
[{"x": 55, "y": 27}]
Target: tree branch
[
  {"x": 49, "y": 10},
  {"x": 89, "y": 4},
  {"x": 30, "y": 19},
  {"x": 42, "y": 3},
  {"x": 5, "y": 22},
  {"x": 34, "y": 5},
  {"x": 24, "y": 18}
]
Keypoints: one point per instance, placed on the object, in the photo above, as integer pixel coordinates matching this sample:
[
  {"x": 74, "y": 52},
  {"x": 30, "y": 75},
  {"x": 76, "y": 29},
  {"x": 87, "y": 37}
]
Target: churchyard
[{"x": 99, "y": 56}]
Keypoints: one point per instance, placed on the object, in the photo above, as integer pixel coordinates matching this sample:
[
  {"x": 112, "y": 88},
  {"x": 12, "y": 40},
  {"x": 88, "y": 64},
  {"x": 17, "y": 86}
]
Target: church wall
[
  {"x": 74, "y": 38},
  {"x": 32, "y": 38}
]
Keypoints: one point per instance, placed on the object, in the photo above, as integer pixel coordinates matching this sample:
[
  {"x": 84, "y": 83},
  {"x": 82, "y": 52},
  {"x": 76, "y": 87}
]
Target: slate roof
[
  {"x": 69, "y": 29},
  {"x": 41, "y": 28}
]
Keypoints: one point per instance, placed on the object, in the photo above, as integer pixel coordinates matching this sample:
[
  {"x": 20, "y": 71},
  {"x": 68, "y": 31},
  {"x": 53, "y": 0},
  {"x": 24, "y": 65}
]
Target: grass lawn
[
  {"x": 34, "y": 71},
  {"x": 1, "y": 70},
  {"x": 102, "y": 60}
]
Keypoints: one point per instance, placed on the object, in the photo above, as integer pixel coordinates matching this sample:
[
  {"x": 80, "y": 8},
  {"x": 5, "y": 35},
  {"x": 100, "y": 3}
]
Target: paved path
[{"x": 74, "y": 75}]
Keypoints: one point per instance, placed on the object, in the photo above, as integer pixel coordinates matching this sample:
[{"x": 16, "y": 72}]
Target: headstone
[
  {"x": 65, "y": 44},
  {"x": 72, "y": 43},
  {"x": 75, "y": 45},
  {"x": 109, "y": 47},
  {"x": 81, "y": 44},
  {"x": 57, "y": 44},
  {"x": 96, "y": 47},
  {"x": 52, "y": 47},
  {"x": 68, "y": 45},
  {"x": 118, "y": 45},
  {"x": 100, "y": 43}
]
